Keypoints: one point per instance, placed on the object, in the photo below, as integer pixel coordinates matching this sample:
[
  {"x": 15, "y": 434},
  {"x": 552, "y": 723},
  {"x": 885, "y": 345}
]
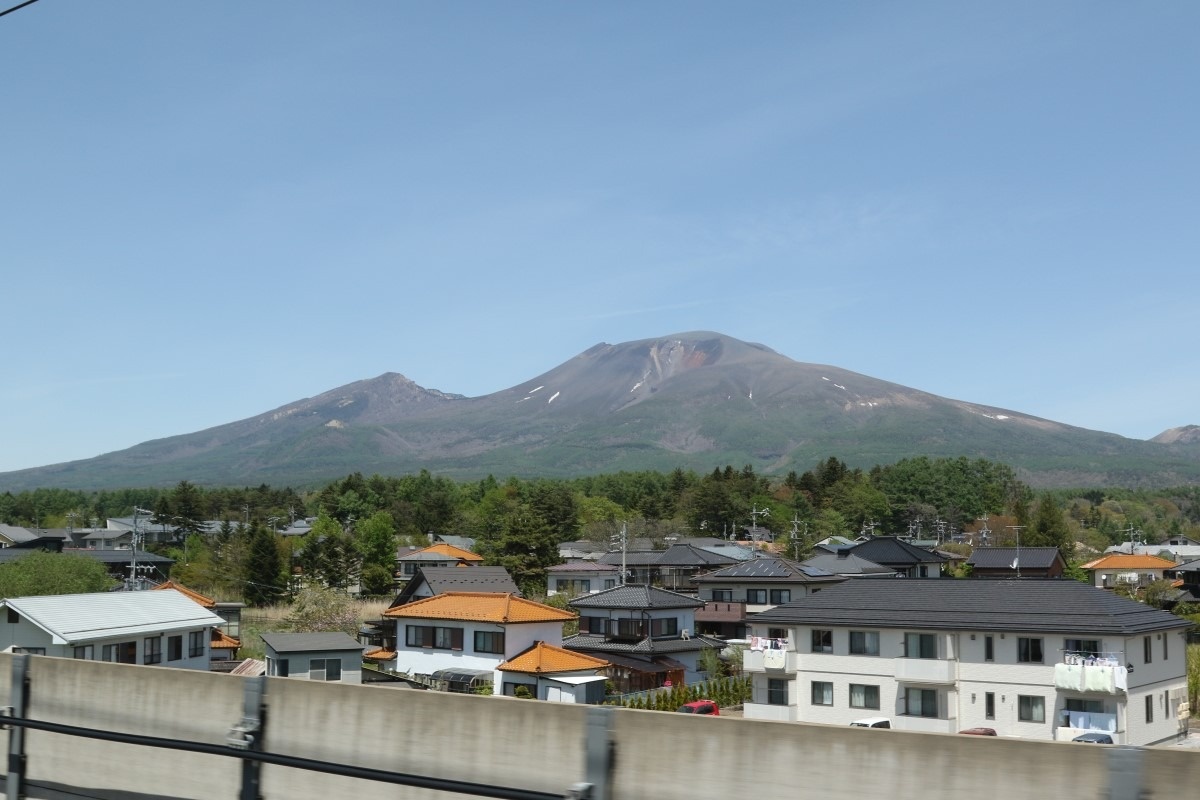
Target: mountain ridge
[{"x": 696, "y": 400}]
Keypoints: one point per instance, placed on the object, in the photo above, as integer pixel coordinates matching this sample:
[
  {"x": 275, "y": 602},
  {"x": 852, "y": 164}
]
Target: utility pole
[
  {"x": 622, "y": 539},
  {"x": 1017, "y": 561},
  {"x": 755, "y": 513},
  {"x": 796, "y": 539}
]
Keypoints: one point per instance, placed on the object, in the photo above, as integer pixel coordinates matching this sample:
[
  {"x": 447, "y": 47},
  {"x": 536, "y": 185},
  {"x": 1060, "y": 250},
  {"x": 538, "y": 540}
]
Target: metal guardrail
[{"x": 246, "y": 742}]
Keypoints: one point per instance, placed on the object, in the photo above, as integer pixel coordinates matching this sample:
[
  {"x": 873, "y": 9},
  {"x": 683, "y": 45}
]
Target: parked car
[
  {"x": 1094, "y": 738},
  {"x": 706, "y": 707},
  {"x": 872, "y": 722},
  {"x": 980, "y": 731}
]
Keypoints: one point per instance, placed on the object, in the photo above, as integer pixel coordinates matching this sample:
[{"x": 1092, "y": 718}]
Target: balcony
[
  {"x": 771, "y": 712},
  {"x": 769, "y": 661},
  {"x": 926, "y": 670},
  {"x": 1098, "y": 675},
  {"x": 906, "y": 722}
]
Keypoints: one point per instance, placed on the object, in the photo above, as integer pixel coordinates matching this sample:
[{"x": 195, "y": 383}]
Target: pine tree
[{"x": 264, "y": 568}]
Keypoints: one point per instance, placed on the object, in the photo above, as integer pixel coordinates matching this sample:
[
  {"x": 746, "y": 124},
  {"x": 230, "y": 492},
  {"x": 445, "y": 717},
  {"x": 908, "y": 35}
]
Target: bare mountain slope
[{"x": 696, "y": 400}]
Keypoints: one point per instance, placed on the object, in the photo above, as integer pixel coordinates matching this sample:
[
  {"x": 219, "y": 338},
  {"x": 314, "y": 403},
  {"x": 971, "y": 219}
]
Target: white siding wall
[
  {"x": 425, "y": 661},
  {"x": 25, "y": 634}
]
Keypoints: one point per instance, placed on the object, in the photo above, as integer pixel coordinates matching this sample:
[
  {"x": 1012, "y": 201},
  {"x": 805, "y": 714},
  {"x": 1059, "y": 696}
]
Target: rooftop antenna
[
  {"x": 622, "y": 539},
  {"x": 755, "y": 513},
  {"x": 796, "y": 536},
  {"x": 1016, "y": 562},
  {"x": 985, "y": 533}
]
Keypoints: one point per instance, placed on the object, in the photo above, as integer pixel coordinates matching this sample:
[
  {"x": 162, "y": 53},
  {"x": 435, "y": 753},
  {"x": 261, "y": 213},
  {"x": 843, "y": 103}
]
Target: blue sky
[{"x": 214, "y": 209}]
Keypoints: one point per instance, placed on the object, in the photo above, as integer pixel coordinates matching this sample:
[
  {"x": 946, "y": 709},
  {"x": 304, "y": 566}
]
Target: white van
[{"x": 872, "y": 722}]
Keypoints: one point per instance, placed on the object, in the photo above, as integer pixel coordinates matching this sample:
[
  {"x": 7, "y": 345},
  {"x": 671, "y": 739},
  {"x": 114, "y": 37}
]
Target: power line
[{"x": 17, "y": 6}]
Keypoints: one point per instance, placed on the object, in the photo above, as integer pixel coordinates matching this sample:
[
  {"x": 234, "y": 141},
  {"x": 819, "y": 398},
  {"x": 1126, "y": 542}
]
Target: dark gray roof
[
  {"x": 634, "y": 595},
  {"x": 1003, "y": 557},
  {"x": 890, "y": 551},
  {"x": 848, "y": 564},
  {"x": 103, "y": 556},
  {"x": 458, "y": 579},
  {"x": 769, "y": 570},
  {"x": 947, "y": 604},
  {"x": 584, "y": 566},
  {"x": 304, "y": 642},
  {"x": 677, "y": 555},
  {"x": 631, "y": 558},
  {"x": 648, "y": 646}
]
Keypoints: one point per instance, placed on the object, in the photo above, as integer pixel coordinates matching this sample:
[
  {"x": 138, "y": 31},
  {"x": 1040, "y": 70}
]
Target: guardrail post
[
  {"x": 249, "y": 734},
  {"x": 18, "y": 699},
  {"x": 1125, "y": 773},
  {"x": 599, "y": 758}
]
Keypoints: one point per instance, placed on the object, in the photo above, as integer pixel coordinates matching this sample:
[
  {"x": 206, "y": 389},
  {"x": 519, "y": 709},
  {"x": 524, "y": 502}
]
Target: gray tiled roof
[
  {"x": 648, "y": 646},
  {"x": 946, "y": 604},
  {"x": 888, "y": 550},
  {"x": 584, "y": 566},
  {"x": 636, "y": 596},
  {"x": 848, "y": 564},
  {"x": 677, "y": 555},
  {"x": 1003, "y": 557},
  {"x": 442, "y": 579},
  {"x": 303, "y": 642},
  {"x": 772, "y": 570}
]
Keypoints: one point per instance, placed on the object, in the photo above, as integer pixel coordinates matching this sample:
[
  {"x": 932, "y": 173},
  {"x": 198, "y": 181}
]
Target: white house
[
  {"x": 164, "y": 628},
  {"x": 581, "y": 577},
  {"x": 458, "y": 640},
  {"x": 1037, "y": 659},
  {"x": 733, "y": 592},
  {"x": 1118, "y": 569},
  {"x": 552, "y": 673},
  {"x": 332, "y": 656}
]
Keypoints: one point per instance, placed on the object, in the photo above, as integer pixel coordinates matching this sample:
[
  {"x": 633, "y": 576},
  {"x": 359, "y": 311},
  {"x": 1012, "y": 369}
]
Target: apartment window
[
  {"x": 1085, "y": 706},
  {"x": 777, "y": 633},
  {"x": 1029, "y": 651},
  {"x": 195, "y": 644},
  {"x": 758, "y": 596},
  {"x": 822, "y": 693},
  {"x": 1147, "y": 649},
  {"x": 33, "y": 651},
  {"x": 152, "y": 650},
  {"x": 864, "y": 643},
  {"x": 920, "y": 645},
  {"x": 1031, "y": 709},
  {"x": 777, "y": 692},
  {"x": 174, "y": 648},
  {"x": 864, "y": 696},
  {"x": 1086, "y": 647},
  {"x": 1165, "y": 637},
  {"x": 722, "y": 595},
  {"x": 822, "y": 641},
  {"x": 324, "y": 669},
  {"x": 989, "y": 649},
  {"x": 1149, "y": 708},
  {"x": 989, "y": 705},
  {"x": 920, "y": 702},
  {"x": 779, "y": 596},
  {"x": 85, "y": 652},
  {"x": 668, "y": 626},
  {"x": 489, "y": 642}
]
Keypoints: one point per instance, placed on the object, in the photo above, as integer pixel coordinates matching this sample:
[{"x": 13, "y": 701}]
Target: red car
[{"x": 706, "y": 707}]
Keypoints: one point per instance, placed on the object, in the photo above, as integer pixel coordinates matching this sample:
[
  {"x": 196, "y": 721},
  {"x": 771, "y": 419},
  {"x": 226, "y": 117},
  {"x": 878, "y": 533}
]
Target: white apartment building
[{"x": 1036, "y": 659}]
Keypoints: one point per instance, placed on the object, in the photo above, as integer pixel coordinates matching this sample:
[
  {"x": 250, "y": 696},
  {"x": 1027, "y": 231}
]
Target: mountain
[{"x": 696, "y": 400}]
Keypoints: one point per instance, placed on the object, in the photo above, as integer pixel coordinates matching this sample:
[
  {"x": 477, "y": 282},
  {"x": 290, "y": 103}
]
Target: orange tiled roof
[
  {"x": 544, "y": 658},
  {"x": 480, "y": 607},
  {"x": 442, "y": 549},
  {"x": 380, "y": 654},
  {"x": 223, "y": 641},
  {"x": 1126, "y": 561},
  {"x": 207, "y": 602}
]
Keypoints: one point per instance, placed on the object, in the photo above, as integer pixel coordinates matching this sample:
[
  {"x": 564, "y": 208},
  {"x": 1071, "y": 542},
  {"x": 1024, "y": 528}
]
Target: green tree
[
  {"x": 41, "y": 573},
  {"x": 264, "y": 568},
  {"x": 1048, "y": 527},
  {"x": 375, "y": 539},
  {"x": 318, "y": 610}
]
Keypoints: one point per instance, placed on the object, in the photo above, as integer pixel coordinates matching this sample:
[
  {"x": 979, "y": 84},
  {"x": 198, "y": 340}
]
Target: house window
[
  {"x": 593, "y": 625},
  {"x": 13, "y": 616},
  {"x": 989, "y": 649},
  {"x": 152, "y": 650},
  {"x": 33, "y": 651},
  {"x": 324, "y": 669},
  {"x": 777, "y": 692},
  {"x": 85, "y": 652},
  {"x": 920, "y": 702},
  {"x": 722, "y": 595},
  {"x": 758, "y": 596},
  {"x": 668, "y": 626},
  {"x": 822, "y": 641},
  {"x": 195, "y": 644},
  {"x": 779, "y": 596},
  {"x": 174, "y": 648},
  {"x": 1084, "y": 647},
  {"x": 777, "y": 633},
  {"x": 1031, "y": 709},
  {"x": 1029, "y": 651},
  {"x": 864, "y": 643},
  {"x": 1147, "y": 649},
  {"x": 489, "y": 642},
  {"x": 1085, "y": 706},
  {"x": 631, "y": 628},
  {"x": 610, "y": 583},
  {"x": 573, "y": 585},
  {"x": 920, "y": 645},
  {"x": 1149, "y": 708},
  {"x": 989, "y": 705},
  {"x": 822, "y": 693},
  {"x": 277, "y": 667},
  {"x": 437, "y": 638},
  {"x": 1165, "y": 637},
  {"x": 864, "y": 696}
]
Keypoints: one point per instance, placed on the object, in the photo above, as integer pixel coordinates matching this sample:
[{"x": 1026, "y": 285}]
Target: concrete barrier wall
[{"x": 522, "y": 743}]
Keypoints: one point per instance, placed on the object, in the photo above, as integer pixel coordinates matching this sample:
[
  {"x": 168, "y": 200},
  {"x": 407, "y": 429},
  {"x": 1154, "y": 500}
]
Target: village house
[{"x": 1131, "y": 571}]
